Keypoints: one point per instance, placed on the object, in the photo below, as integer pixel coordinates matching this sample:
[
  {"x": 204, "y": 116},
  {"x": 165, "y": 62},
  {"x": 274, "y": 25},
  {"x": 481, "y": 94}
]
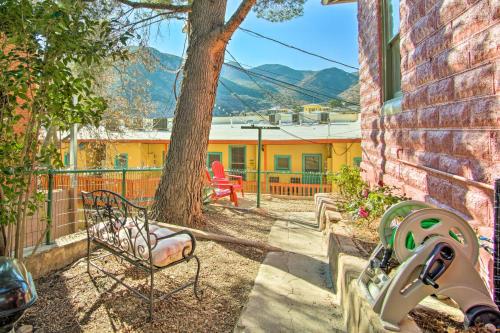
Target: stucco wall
[
  {"x": 450, "y": 109},
  {"x": 141, "y": 154}
]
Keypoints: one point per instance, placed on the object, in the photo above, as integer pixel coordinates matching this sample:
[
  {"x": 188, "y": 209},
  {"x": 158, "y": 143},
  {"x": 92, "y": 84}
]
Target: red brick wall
[{"x": 450, "y": 119}]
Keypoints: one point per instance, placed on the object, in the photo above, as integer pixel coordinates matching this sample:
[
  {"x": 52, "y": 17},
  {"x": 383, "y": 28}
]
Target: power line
[
  {"x": 251, "y": 78},
  {"x": 258, "y": 35},
  {"x": 258, "y": 85},
  {"x": 296, "y": 79},
  {"x": 290, "y": 86},
  {"x": 283, "y": 130}
]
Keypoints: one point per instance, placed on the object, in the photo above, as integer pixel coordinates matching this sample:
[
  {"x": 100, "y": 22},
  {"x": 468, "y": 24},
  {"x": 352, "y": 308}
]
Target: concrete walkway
[{"x": 292, "y": 291}]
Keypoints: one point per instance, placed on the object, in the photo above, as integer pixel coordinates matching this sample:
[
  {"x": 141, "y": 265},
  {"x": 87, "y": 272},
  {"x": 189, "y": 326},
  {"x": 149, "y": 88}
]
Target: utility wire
[
  {"x": 258, "y": 35},
  {"x": 251, "y": 78},
  {"x": 293, "y": 87},
  {"x": 258, "y": 85},
  {"x": 290, "y": 86},
  {"x": 283, "y": 130},
  {"x": 295, "y": 79}
]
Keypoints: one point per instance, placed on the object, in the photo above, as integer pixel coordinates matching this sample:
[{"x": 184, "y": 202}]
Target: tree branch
[
  {"x": 238, "y": 17},
  {"x": 154, "y": 5}
]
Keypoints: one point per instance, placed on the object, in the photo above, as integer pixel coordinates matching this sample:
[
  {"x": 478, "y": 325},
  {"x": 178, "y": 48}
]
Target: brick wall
[{"x": 450, "y": 119}]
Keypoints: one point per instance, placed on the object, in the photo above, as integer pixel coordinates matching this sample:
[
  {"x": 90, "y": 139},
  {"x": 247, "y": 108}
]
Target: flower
[
  {"x": 365, "y": 193},
  {"x": 363, "y": 212}
]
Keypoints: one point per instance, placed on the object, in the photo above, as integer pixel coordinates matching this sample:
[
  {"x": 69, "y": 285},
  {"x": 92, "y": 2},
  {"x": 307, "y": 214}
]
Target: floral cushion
[{"x": 132, "y": 238}]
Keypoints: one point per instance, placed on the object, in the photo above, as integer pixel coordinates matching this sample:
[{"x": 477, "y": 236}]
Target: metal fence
[{"x": 62, "y": 213}]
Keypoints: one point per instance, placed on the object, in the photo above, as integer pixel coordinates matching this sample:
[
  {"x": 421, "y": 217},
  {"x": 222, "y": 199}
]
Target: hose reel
[{"x": 423, "y": 251}]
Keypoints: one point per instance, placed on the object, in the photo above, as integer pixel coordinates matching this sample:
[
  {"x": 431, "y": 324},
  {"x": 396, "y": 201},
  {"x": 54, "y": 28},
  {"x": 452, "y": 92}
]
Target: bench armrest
[{"x": 178, "y": 233}]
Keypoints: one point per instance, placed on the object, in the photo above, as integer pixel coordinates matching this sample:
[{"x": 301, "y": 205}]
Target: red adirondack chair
[
  {"x": 221, "y": 177},
  {"x": 221, "y": 190}
]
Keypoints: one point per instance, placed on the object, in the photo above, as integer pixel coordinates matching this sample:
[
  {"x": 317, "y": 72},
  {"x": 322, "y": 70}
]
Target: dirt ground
[{"x": 70, "y": 301}]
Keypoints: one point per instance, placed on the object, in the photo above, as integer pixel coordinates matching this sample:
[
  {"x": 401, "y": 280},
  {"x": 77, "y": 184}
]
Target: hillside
[{"x": 155, "y": 72}]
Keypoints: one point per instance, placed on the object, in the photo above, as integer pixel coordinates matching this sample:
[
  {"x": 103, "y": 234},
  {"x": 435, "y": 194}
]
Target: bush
[
  {"x": 363, "y": 202},
  {"x": 349, "y": 182}
]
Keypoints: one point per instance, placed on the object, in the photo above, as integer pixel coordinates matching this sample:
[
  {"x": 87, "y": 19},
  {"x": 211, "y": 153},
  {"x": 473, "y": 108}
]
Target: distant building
[
  {"x": 279, "y": 110},
  {"x": 315, "y": 108},
  {"x": 314, "y": 148}
]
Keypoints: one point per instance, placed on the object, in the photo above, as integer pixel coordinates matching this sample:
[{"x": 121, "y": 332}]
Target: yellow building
[
  {"x": 286, "y": 153},
  {"x": 315, "y": 108}
]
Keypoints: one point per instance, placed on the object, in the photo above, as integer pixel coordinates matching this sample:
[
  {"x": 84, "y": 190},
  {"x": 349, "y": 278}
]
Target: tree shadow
[{"x": 53, "y": 300}]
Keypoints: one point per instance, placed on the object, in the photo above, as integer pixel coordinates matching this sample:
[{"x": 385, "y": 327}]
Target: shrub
[
  {"x": 376, "y": 201},
  {"x": 349, "y": 182},
  {"x": 363, "y": 202}
]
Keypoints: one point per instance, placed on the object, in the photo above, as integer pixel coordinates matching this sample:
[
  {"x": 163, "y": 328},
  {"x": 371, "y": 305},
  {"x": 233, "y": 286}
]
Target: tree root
[{"x": 222, "y": 238}]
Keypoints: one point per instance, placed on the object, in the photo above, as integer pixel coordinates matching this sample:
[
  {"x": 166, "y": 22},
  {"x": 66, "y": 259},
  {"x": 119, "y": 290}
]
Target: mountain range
[{"x": 256, "y": 88}]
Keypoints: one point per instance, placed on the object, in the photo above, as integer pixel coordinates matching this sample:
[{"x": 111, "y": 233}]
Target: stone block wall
[{"x": 450, "y": 120}]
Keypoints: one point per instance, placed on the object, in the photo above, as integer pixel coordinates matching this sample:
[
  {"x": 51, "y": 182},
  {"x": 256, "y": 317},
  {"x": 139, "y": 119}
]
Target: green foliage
[
  {"x": 374, "y": 202},
  {"x": 349, "y": 182},
  {"x": 361, "y": 201},
  {"x": 207, "y": 195},
  {"x": 48, "y": 50},
  {"x": 279, "y": 10},
  {"x": 335, "y": 103}
]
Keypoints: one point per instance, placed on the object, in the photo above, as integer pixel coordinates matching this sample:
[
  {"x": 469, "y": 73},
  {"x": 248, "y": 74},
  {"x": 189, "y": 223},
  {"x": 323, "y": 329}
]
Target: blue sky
[{"x": 330, "y": 31}]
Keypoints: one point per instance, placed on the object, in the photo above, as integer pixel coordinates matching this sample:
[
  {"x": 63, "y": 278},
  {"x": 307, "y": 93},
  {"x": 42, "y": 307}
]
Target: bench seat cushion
[{"x": 165, "y": 251}]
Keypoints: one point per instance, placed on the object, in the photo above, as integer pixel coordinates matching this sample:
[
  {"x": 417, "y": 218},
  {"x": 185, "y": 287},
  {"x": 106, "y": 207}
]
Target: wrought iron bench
[{"x": 122, "y": 228}]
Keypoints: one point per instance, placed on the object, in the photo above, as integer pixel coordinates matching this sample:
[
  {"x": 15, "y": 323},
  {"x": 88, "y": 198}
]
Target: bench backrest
[{"x": 113, "y": 221}]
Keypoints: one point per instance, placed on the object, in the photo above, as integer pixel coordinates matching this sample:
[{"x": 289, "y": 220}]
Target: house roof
[{"x": 348, "y": 131}]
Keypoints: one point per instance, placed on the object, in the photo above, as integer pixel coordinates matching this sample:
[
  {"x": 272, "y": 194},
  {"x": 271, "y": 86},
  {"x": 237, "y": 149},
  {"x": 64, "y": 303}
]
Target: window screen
[
  {"x": 282, "y": 162},
  {"x": 312, "y": 163},
  {"x": 237, "y": 158},
  {"x": 392, "y": 56},
  {"x": 121, "y": 161}
]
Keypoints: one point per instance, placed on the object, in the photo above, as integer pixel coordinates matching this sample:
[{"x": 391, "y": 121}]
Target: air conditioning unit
[
  {"x": 274, "y": 118},
  {"x": 324, "y": 118},
  {"x": 160, "y": 124}
]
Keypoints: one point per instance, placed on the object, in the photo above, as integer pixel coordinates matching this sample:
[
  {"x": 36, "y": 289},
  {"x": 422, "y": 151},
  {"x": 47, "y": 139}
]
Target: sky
[{"x": 330, "y": 31}]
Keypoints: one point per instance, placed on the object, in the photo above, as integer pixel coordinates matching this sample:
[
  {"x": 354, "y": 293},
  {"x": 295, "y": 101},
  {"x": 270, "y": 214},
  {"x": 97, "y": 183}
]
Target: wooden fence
[{"x": 139, "y": 186}]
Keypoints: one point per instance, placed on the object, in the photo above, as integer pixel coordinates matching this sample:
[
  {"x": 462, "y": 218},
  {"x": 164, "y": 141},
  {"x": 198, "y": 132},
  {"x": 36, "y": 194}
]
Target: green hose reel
[
  {"x": 408, "y": 224},
  {"x": 387, "y": 227},
  {"x": 426, "y": 224}
]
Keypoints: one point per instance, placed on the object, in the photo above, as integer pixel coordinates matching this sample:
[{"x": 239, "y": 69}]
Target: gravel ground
[{"x": 70, "y": 301}]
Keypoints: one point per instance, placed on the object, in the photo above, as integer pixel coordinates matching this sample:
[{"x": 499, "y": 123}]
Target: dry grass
[{"x": 70, "y": 301}]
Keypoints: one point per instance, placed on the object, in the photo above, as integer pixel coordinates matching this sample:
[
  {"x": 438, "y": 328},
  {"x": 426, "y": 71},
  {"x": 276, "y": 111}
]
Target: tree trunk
[{"x": 179, "y": 194}]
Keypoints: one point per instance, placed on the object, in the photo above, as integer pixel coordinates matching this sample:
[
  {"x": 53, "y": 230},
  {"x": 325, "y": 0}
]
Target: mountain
[{"x": 267, "y": 86}]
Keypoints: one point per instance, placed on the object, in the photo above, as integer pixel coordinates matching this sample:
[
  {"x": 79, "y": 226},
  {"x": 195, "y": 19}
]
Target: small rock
[{"x": 25, "y": 329}]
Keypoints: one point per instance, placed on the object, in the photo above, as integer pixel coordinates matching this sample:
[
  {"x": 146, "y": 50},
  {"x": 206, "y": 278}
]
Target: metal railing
[{"x": 63, "y": 188}]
